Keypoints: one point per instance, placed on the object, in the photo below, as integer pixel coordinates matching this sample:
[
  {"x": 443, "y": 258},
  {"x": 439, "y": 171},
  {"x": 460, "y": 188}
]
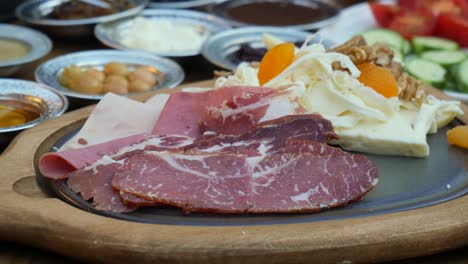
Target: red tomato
[
  {"x": 453, "y": 27},
  {"x": 408, "y": 4},
  {"x": 383, "y": 14},
  {"x": 412, "y": 23},
  {"x": 436, "y": 7}
]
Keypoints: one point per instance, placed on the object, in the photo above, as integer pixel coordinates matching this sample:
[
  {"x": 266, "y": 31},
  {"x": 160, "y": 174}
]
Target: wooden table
[{"x": 15, "y": 253}]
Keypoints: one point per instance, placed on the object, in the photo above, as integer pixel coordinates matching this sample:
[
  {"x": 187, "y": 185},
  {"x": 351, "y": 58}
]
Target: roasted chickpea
[
  {"x": 139, "y": 86},
  {"x": 84, "y": 84},
  {"x": 115, "y": 84},
  {"x": 96, "y": 74},
  {"x": 68, "y": 74},
  {"x": 143, "y": 74},
  {"x": 115, "y": 68}
]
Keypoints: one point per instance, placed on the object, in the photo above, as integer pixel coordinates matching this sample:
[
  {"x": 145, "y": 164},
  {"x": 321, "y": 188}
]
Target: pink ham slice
[
  {"x": 56, "y": 165},
  {"x": 94, "y": 181},
  {"x": 226, "y": 183}
]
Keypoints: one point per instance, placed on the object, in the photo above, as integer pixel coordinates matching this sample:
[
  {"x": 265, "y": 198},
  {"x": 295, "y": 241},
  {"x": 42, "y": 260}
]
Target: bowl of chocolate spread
[{"x": 298, "y": 14}]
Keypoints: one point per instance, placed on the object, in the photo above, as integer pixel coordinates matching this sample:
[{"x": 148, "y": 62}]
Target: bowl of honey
[
  {"x": 20, "y": 45},
  {"x": 24, "y": 104}
]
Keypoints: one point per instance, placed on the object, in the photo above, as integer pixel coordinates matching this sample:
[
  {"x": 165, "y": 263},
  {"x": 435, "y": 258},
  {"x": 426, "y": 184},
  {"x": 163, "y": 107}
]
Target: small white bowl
[
  {"x": 34, "y": 12},
  {"x": 49, "y": 72},
  {"x": 46, "y": 102},
  {"x": 182, "y": 4},
  {"x": 218, "y": 48},
  {"x": 109, "y": 33},
  {"x": 38, "y": 43}
]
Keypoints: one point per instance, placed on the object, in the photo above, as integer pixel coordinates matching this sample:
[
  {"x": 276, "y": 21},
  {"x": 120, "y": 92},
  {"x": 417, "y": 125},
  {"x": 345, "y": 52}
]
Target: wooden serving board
[{"x": 30, "y": 216}]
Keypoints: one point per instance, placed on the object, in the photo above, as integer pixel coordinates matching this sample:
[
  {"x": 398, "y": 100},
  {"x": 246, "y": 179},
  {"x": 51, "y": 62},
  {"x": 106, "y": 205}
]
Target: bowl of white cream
[{"x": 163, "y": 32}]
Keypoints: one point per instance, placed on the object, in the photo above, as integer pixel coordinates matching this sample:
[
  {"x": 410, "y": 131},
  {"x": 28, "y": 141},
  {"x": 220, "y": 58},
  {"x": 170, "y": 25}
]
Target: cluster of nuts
[{"x": 116, "y": 78}]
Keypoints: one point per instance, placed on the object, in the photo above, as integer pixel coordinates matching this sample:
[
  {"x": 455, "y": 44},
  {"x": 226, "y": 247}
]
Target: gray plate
[
  {"x": 405, "y": 184},
  {"x": 332, "y": 10},
  {"x": 181, "y": 4},
  {"x": 219, "y": 47},
  {"x": 49, "y": 72},
  {"x": 109, "y": 33},
  {"x": 38, "y": 43},
  {"x": 33, "y": 12}
]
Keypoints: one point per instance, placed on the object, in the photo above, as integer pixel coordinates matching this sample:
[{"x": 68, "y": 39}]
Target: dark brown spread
[
  {"x": 276, "y": 13},
  {"x": 247, "y": 53}
]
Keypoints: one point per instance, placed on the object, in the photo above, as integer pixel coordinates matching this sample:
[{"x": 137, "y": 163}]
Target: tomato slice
[
  {"x": 408, "y": 4},
  {"x": 436, "y": 7},
  {"x": 454, "y": 27},
  {"x": 383, "y": 14},
  {"x": 410, "y": 23}
]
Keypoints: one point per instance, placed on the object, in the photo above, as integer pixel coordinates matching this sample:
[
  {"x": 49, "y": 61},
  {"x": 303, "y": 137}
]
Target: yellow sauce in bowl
[
  {"x": 12, "y": 116},
  {"x": 11, "y": 49}
]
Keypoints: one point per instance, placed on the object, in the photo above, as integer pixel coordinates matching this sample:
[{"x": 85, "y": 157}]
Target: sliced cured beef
[
  {"x": 184, "y": 112},
  {"x": 212, "y": 183},
  {"x": 268, "y": 137},
  {"x": 284, "y": 183},
  {"x": 226, "y": 183},
  {"x": 97, "y": 185},
  {"x": 56, "y": 165},
  {"x": 241, "y": 114},
  {"x": 94, "y": 181},
  {"x": 135, "y": 201}
]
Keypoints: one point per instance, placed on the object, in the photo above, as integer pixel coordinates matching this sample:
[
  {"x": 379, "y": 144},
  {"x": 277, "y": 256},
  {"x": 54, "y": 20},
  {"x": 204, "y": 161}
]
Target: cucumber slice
[
  {"x": 462, "y": 76},
  {"x": 444, "y": 57},
  {"x": 421, "y": 44},
  {"x": 406, "y": 47},
  {"x": 386, "y": 36},
  {"x": 427, "y": 71}
]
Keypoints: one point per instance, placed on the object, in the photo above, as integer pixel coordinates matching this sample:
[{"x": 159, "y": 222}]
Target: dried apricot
[
  {"x": 378, "y": 78},
  {"x": 275, "y": 61},
  {"x": 458, "y": 136}
]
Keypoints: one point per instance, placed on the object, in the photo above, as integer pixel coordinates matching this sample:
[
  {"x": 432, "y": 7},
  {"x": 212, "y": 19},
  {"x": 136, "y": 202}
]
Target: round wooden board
[{"x": 30, "y": 216}]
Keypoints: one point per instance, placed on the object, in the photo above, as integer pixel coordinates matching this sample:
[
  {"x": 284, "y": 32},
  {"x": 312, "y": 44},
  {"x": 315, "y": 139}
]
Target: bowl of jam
[
  {"x": 24, "y": 104},
  {"x": 298, "y": 14},
  {"x": 229, "y": 48}
]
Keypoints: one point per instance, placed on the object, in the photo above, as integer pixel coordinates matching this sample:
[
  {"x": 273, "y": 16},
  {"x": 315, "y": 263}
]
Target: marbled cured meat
[
  {"x": 241, "y": 114},
  {"x": 94, "y": 181},
  {"x": 226, "y": 183},
  {"x": 210, "y": 182},
  {"x": 269, "y": 136},
  {"x": 185, "y": 112},
  {"x": 135, "y": 201},
  {"x": 227, "y": 110}
]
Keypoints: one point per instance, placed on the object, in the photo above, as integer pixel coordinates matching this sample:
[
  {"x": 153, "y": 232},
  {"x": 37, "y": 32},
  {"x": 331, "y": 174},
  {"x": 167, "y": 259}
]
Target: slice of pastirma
[{"x": 364, "y": 119}]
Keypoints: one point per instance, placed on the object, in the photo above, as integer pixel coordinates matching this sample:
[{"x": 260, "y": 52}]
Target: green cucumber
[
  {"x": 445, "y": 58},
  {"x": 427, "y": 71},
  {"x": 405, "y": 47},
  {"x": 421, "y": 44},
  {"x": 462, "y": 76},
  {"x": 389, "y": 37}
]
